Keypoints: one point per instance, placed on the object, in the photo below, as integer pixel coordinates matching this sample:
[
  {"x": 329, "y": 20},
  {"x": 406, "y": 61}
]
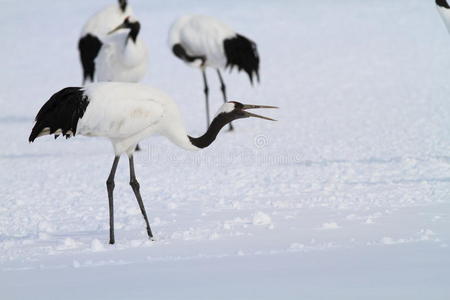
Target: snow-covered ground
[{"x": 346, "y": 197}]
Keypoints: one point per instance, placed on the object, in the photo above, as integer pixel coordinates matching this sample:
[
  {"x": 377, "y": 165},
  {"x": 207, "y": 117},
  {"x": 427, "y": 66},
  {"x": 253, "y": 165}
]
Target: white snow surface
[{"x": 347, "y": 196}]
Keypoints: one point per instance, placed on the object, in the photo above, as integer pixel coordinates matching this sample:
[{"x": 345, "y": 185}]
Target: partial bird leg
[
  {"x": 137, "y": 148},
  {"x": 206, "y": 91},
  {"x": 135, "y": 186},
  {"x": 110, "y": 187},
  {"x": 224, "y": 93}
]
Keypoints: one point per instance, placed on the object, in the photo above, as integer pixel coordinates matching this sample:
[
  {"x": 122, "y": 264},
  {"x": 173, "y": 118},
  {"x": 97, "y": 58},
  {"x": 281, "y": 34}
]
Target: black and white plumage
[
  {"x": 60, "y": 114},
  {"x": 203, "y": 41},
  {"x": 126, "y": 113},
  {"x": 444, "y": 10},
  {"x": 93, "y": 32}
]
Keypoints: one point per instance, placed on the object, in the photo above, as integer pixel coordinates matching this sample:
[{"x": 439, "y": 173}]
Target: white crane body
[
  {"x": 122, "y": 59},
  {"x": 202, "y": 36},
  {"x": 126, "y": 113}
]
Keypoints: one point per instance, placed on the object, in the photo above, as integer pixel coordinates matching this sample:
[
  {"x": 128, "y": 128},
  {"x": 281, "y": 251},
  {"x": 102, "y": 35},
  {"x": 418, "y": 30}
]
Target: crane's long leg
[
  {"x": 110, "y": 187},
  {"x": 135, "y": 186},
  {"x": 224, "y": 93},
  {"x": 206, "y": 91}
]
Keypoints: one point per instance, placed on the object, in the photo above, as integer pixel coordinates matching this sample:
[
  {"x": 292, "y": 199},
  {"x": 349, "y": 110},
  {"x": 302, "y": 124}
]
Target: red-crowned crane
[
  {"x": 117, "y": 54},
  {"x": 126, "y": 113},
  {"x": 444, "y": 10},
  {"x": 93, "y": 32},
  {"x": 202, "y": 41}
]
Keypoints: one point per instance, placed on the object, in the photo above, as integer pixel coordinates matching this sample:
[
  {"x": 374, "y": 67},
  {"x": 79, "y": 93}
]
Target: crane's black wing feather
[
  {"x": 242, "y": 53},
  {"x": 89, "y": 47},
  {"x": 62, "y": 111}
]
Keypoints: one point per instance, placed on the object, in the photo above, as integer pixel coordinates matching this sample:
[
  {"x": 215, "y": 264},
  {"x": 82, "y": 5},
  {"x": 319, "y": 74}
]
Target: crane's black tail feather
[
  {"x": 442, "y": 3},
  {"x": 60, "y": 114},
  {"x": 89, "y": 47},
  {"x": 243, "y": 54}
]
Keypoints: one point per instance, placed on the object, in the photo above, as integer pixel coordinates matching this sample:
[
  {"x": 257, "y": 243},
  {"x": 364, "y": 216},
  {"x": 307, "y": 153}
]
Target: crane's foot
[
  {"x": 150, "y": 234},
  {"x": 138, "y": 148}
]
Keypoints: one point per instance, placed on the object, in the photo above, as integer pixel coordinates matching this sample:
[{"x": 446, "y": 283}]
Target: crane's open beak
[
  {"x": 121, "y": 26},
  {"x": 249, "y": 114}
]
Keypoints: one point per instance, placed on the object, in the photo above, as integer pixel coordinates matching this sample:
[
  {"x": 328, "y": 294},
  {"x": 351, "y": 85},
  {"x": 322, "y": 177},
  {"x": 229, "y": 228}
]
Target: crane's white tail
[
  {"x": 89, "y": 47},
  {"x": 243, "y": 54},
  {"x": 60, "y": 114}
]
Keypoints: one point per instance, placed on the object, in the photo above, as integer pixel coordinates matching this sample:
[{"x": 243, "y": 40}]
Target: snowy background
[{"x": 346, "y": 197}]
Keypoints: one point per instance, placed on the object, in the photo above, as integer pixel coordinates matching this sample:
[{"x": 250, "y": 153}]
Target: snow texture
[{"x": 346, "y": 197}]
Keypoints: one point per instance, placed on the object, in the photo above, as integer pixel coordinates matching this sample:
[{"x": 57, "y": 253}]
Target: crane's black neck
[
  {"x": 123, "y": 5},
  {"x": 210, "y": 135},
  {"x": 135, "y": 27},
  {"x": 181, "y": 53}
]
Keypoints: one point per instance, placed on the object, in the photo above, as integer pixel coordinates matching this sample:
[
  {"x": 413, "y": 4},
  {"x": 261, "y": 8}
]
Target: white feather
[
  {"x": 226, "y": 108},
  {"x": 202, "y": 36},
  {"x": 120, "y": 59},
  {"x": 126, "y": 113}
]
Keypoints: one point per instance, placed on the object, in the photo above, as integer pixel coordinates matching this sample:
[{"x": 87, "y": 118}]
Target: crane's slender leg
[
  {"x": 206, "y": 91},
  {"x": 135, "y": 186},
  {"x": 137, "y": 148},
  {"x": 224, "y": 93},
  {"x": 110, "y": 187}
]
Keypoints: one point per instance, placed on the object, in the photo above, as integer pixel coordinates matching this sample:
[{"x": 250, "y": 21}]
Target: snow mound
[
  {"x": 97, "y": 246},
  {"x": 261, "y": 219},
  {"x": 331, "y": 225}
]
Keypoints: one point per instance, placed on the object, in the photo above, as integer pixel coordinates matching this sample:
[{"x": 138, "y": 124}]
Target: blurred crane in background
[{"x": 203, "y": 41}]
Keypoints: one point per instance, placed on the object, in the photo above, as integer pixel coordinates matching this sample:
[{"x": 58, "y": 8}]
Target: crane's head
[
  {"x": 229, "y": 112},
  {"x": 234, "y": 110},
  {"x": 129, "y": 24}
]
